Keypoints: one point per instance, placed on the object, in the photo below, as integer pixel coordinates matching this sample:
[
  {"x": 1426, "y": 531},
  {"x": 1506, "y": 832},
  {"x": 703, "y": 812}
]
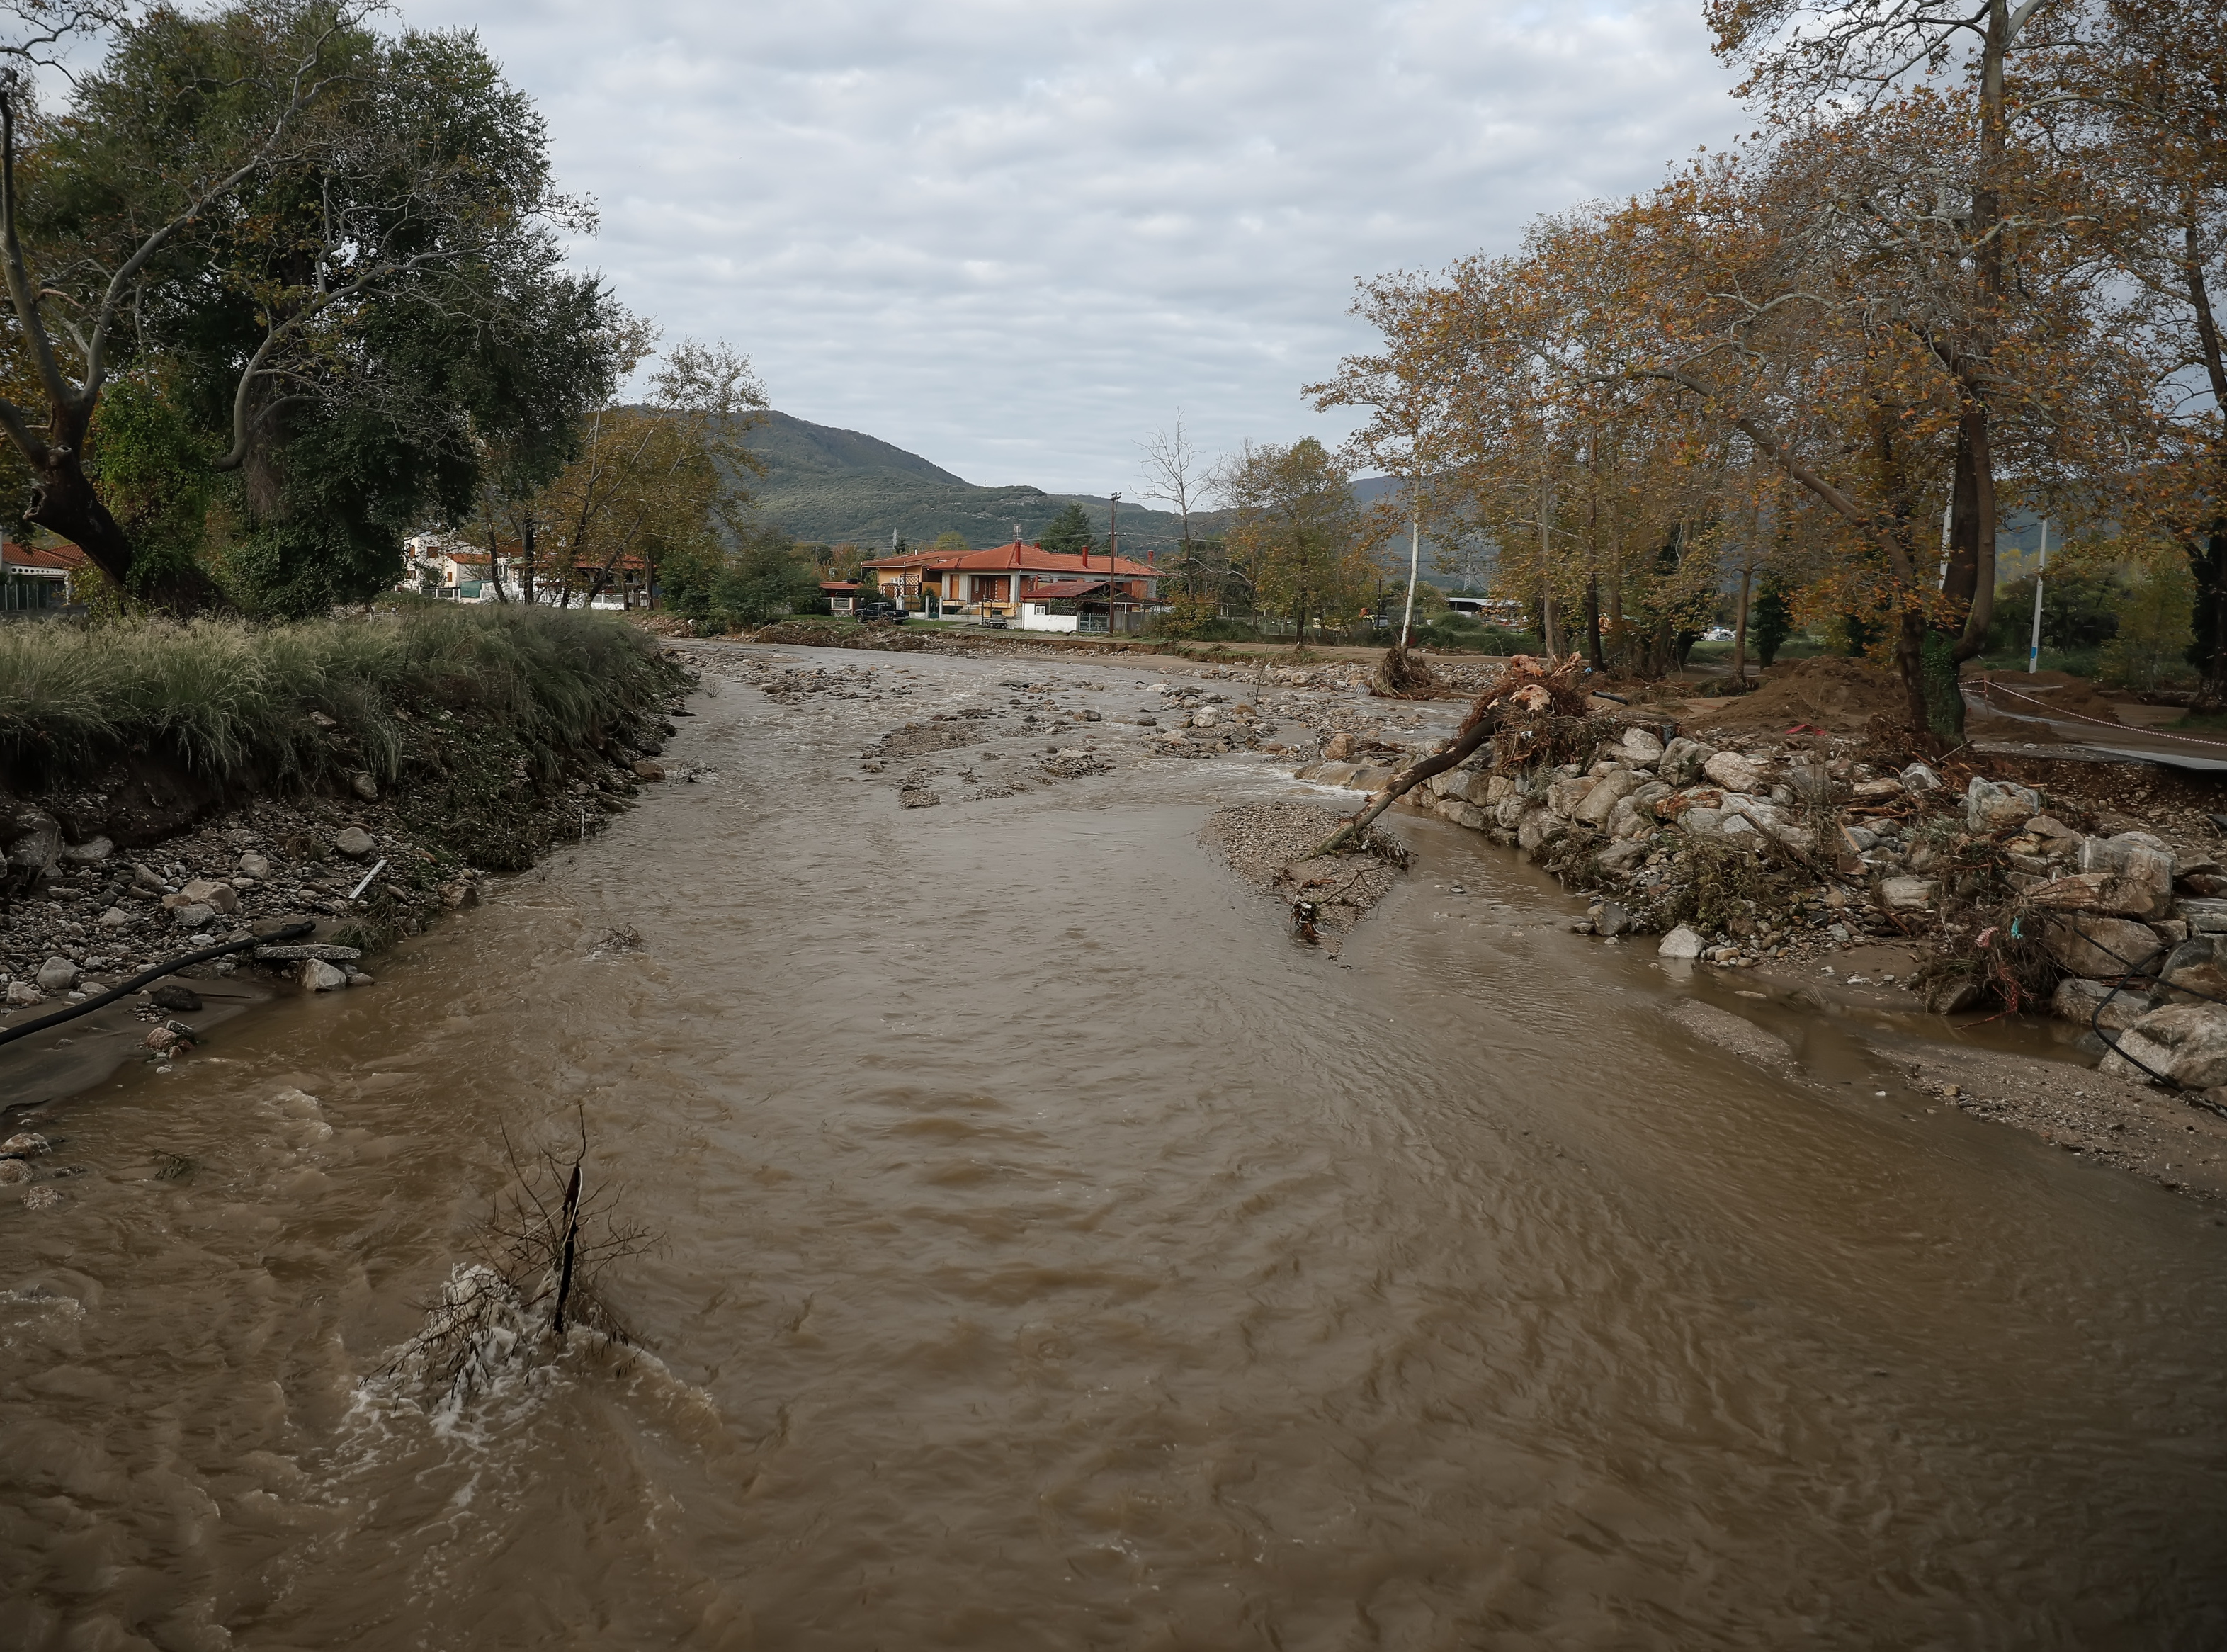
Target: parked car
[{"x": 891, "y": 611}]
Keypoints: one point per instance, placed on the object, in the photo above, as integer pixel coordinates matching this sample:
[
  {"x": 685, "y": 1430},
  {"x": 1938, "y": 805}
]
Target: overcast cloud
[{"x": 1013, "y": 238}]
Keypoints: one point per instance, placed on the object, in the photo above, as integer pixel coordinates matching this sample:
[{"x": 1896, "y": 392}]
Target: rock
[
  {"x": 1613, "y": 919},
  {"x": 1918, "y": 778},
  {"x": 2106, "y": 892},
  {"x": 1446, "y": 784},
  {"x": 1876, "y": 791},
  {"x": 182, "y": 1000},
  {"x": 365, "y": 788},
  {"x": 1607, "y": 792},
  {"x": 2141, "y": 870},
  {"x": 42, "y": 1199},
  {"x": 114, "y": 918},
  {"x": 25, "y": 1144},
  {"x": 1567, "y": 792},
  {"x": 254, "y": 865},
  {"x": 2195, "y": 970},
  {"x": 194, "y": 916},
  {"x": 1952, "y": 996},
  {"x": 32, "y": 839},
  {"x": 2094, "y": 1003},
  {"x": 1682, "y": 760},
  {"x": 1702, "y": 823},
  {"x": 22, "y": 993},
  {"x": 165, "y": 1037},
  {"x": 1989, "y": 806},
  {"x": 461, "y": 893},
  {"x": 645, "y": 768},
  {"x": 91, "y": 852},
  {"x": 1478, "y": 790},
  {"x": 2100, "y": 947},
  {"x": 1627, "y": 819},
  {"x": 1736, "y": 772},
  {"x": 56, "y": 975},
  {"x": 2186, "y": 1043},
  {"x": 1466, "y": 816},
  {"x": 1680, "y": 942},
  {"x": 1497, "y": 789},
  {"x": 1206, "y": 718},
  {"x": 1329, "y": 774},
  {"x": 1642, "y": 746},
  {"x": 354, "y": 842},
  {"x": 320, "y": 977},
  {"x": 1338, "y": 747},
  {"x": 322, "y": 721},
  {"x": 13, "y": 1172},
  {"x": 2205, "y": 916},
  {"x": 208, "y": 892},
  {"x": 1538, "y": 828}
]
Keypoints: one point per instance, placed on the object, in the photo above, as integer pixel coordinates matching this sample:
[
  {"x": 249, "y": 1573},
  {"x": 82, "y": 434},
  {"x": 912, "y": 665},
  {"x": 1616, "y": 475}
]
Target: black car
[{"x": 891, "y": 611}]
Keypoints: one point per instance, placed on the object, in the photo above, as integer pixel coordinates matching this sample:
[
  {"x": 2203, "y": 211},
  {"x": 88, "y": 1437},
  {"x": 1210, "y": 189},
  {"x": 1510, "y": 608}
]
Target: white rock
[
  {"x": 1680, "y": 942},
  {"x": 1682, "y": 759},
  {"x": 254, "y": 865},
  {"x": 194, "y": 916},
  {"x": 354, "y": 842},
  {"x": 1992, "y": 807},
  {"x": 2187, "y": 1042},
  {"x": 320, "y": 977},
  {"x": 1608, "y": 791},
  {"x": 1642, "y": 746},
  {"x": 114, "y": 918},
  {"x": 1736, "y": 772},
  {"x": 1918, "y": 778},
  {"x": 24, "y": 993},
  {"x": 205, "y": 891},
  {"x": 57, "y": 975},
  {"x": 1907, "y": 894},
  {"x": 89, "y": 852}
]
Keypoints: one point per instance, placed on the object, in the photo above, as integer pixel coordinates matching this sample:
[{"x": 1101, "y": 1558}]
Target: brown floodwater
[{"x": 1055, "y": 1254}]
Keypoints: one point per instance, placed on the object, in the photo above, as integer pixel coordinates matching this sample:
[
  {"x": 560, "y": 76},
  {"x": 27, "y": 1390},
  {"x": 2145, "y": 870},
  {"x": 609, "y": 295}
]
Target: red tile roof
[
  {"x": 65, "y": 558},
  {"x": 1057, "y": 590},
  {"x": 1015, "y": 558}
]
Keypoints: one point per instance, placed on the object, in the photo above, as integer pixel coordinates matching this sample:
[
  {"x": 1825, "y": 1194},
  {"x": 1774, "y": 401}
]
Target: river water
[{"x": 1053, "y": 1255}]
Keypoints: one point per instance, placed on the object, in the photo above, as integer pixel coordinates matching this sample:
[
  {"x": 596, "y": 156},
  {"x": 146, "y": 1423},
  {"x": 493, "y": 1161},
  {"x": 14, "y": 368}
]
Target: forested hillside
[{"x": 827, "y": 486}]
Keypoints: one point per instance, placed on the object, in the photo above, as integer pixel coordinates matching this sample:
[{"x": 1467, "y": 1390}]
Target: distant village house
[{"x": 1024, "y": 585}]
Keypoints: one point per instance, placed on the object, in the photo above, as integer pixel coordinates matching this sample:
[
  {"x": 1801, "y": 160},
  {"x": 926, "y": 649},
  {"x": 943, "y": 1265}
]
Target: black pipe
[{"x": 9, "y": 1035}]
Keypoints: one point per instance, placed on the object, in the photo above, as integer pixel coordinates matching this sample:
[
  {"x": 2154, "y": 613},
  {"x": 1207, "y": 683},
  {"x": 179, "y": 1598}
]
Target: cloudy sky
[{"x": 1016, "y": 238}]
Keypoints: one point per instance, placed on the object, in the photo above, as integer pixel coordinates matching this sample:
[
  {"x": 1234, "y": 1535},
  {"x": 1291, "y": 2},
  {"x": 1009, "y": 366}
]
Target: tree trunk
[
  {"x": 1740, "y": 623},
  {"x": 2207, "y": 560},
  {"x": 1592, "y": 620}
]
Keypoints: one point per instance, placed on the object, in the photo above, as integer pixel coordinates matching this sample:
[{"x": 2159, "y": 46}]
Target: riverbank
[{"x": 166, "y": 788}]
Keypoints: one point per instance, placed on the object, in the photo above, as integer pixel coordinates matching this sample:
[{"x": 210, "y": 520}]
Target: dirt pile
[
  {"x": 893, "y": 638},
  {"x": 1838, "y": 695}
]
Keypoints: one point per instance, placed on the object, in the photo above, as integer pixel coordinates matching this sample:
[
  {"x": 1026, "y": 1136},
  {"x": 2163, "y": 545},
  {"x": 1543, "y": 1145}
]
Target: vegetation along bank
[{"x": 166, "y": 787}]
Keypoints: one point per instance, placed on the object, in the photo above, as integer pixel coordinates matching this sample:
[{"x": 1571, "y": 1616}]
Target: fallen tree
[{"x": 1529, "y": 689}]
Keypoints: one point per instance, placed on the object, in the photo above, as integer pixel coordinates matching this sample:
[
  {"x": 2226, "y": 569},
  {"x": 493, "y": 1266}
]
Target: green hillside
[{"x": 827, "y": 486}]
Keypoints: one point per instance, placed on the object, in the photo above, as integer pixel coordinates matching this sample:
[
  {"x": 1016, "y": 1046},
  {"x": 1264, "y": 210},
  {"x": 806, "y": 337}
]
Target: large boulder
[
  {"x": 2139, "y": 868},
  {"x": 2185, "y": 1042},
  {"x": 1989, "y": 806},
  {"x": 2094, "y": 1003},
  {"x": 2195, "y": 971},
  {"x": 1682, "y": 759},
  {"x": 1736, "y": 772},
  {"x": 1641, "y": 746},
  {"x": 1609, "y": 791},
  {"x": 57, "y": 975},
  {"x": 1702, "y": 823},
  {"x": 1567, "y": 792},
  {"x": 354, "y": 842},
  {"x": 1680, "y": 942},
  {"x": 2106, "y": 892},
  {"x": 2100, "y": 947},
  {"x": 1538, "y": 828}
]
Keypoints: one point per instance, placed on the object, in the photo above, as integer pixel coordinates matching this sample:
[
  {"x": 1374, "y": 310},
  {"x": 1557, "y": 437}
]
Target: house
[
  {"x": 1011, "y": 582},
  {"x": 447, "y": 566},
  {"x": 842, "y": 595},
  {"x": 33, "y": 581}
]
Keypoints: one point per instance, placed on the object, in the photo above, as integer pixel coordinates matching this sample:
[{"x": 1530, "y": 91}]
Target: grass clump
[{"x": 237, "y": 703}]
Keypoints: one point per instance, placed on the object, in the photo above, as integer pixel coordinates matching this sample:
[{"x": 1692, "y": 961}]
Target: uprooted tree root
[
  {"x": 538, "y": 1263},
  {"x": 1402, "y": 676}
]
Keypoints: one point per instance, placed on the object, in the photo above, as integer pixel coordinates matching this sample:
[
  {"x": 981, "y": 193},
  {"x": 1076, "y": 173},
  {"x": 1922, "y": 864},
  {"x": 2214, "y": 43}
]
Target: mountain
[{"x": 826, "y": 485}]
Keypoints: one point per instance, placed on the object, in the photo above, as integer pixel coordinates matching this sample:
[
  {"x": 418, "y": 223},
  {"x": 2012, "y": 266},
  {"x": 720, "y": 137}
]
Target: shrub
[{"x": 2156, "y": 608}]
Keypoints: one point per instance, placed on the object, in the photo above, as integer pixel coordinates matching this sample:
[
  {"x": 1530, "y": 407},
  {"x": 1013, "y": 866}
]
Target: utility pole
[
  {"x": 2033, "y": 648},
  {"x": 1113, "y": 549}
]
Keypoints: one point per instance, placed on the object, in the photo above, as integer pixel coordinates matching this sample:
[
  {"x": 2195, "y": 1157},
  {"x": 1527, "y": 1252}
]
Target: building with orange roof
[
  {"x": 34, "y": 580},
  {"x": 1024, "y": 584}
]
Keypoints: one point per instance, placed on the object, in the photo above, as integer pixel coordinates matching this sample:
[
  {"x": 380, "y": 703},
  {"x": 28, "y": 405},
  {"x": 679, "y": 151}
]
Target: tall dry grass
[{"x": 232, "y": 700}]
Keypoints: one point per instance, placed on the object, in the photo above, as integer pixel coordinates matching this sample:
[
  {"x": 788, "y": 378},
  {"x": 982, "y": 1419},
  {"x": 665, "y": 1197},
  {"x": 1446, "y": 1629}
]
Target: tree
[
  {"x": 950, "y": 540},
  {"x": 1068, "y": 533},
  {"x": 1297, "y": 531},
  {"x": 328, "y": 254}
]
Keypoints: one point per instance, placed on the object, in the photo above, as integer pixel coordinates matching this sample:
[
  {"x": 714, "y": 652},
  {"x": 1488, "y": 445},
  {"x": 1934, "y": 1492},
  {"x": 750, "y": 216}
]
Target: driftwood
[
  {"x": 1402, "y": 676},
  {"x": 1529, "y": 688}
]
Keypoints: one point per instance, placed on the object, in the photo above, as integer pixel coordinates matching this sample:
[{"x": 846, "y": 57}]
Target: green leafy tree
[
  {"x": 1297, "y": 536},
  {"x": 764, "y": 578},
  {"x": 1068, "y": 533},
  {"x": 335, "y": 254},
  {"x": 1772, "y": 620}
]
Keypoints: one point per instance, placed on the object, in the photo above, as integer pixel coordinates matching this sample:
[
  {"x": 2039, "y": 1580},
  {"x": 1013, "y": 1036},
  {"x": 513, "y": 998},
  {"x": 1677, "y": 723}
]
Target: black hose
[
  {"x": 9, "y": 1035},
  {"x": 2133, "y": 970}
]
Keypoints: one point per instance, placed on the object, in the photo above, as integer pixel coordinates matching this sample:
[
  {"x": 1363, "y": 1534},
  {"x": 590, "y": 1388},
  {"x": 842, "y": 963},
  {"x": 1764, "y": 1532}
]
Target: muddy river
[{"x": 1055, "y": 1254}]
